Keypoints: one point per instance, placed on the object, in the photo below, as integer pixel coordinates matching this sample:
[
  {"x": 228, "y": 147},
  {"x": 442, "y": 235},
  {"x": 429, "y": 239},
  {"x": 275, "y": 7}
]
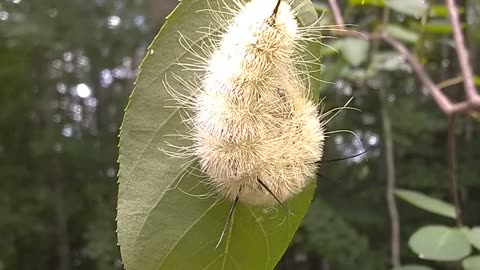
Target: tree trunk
[
  {"x": 53, "y": 174},
  {"x": 61, "y": 227}
]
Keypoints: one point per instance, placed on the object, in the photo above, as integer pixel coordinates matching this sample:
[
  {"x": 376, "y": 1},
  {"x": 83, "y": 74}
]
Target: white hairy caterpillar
[{"x": 254, "y": 129}]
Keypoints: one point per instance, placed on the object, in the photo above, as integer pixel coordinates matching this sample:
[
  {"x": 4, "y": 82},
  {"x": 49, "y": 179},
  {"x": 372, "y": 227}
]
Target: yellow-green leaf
[{"x": 165, "y": 220}]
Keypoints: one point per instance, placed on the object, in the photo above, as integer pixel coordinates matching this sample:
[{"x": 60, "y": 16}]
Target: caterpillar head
[{"x": 267, "y": 24}]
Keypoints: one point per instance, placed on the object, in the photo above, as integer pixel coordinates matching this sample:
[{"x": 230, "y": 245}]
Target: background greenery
[{"x": 67, "y": 68}]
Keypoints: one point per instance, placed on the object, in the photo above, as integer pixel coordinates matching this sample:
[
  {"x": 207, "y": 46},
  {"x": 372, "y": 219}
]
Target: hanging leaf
[
  {"x": 402, "y": 33},
  {"x": 416, "y": 8},
  {"x": 428, "y": 203},
  {"x": 165, "y": 219},
  {"x": 439, "y": 243}
]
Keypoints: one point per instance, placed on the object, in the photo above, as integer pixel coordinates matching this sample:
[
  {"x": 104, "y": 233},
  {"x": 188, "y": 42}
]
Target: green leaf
[
  {"x": 402, "y": 33},
  {"x": 439, "y": 243},
  {"x": 416, "y": 8},
  {"x": 165, "y": 218},
  {"x": 473, "y": 236},
  {"x": 354, "y": 50},
  {"x": 412, "y": 267},
  {"x": 471, "y": 263},
  {"x": 428, "y": 203}
]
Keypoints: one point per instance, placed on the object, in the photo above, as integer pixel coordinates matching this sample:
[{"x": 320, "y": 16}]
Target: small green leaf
[
  {"x": 471, "y": 263},
  {"x": 354, "y": 50},
  {"x": 473, "y": 236},
  {"x": 428, "y": 203},
  {"x": 416, "y": 8},
  {"x": 412, "y": 267},
  {"x": 440, "y": 243},
  {"x": 442, "y": 11},
  {"x": 402, "y": 33},
  {"x": 476, "y": 80},
  {"x": 438, "y": 11},
  {"x": 378, "y": 3}
]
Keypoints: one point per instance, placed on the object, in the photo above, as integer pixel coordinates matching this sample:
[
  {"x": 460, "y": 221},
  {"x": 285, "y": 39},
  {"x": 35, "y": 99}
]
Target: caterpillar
[{"x": 256, "y": 132}]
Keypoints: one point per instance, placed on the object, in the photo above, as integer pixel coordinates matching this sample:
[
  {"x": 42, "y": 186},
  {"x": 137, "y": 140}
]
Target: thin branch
[
  {"x": 389, "y": 164},
  {"x": 452, "y": 169},
  {"x": 440, "y": 98},
  {"x": 462, "y": 53},
  {"x": 450, "y": 82},
  {"x": 390, "y": 187},
  {"x": 337, "y": 14}
]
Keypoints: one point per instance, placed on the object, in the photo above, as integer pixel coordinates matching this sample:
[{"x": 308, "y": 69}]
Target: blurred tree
[{"x": 67, "y": 70}]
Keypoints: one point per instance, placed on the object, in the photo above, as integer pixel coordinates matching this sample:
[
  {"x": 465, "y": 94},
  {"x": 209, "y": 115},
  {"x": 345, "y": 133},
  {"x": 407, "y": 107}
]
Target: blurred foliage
[
  {"x": 344, "y": 247},
  {"x": 67, "y": 69},
  {"x": 348, "y": 223}
]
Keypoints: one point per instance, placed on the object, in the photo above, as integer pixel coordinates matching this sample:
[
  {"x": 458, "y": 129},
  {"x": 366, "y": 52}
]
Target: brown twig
[
  {"x": 389, "y": 163},
  {"x": 439, "y": 97},
  {"x": 452, "y": 168},
  {"x": 462, "y": 54},
  {"x": 337, "y": 14},
  {"x": 450, "y": 82}
]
